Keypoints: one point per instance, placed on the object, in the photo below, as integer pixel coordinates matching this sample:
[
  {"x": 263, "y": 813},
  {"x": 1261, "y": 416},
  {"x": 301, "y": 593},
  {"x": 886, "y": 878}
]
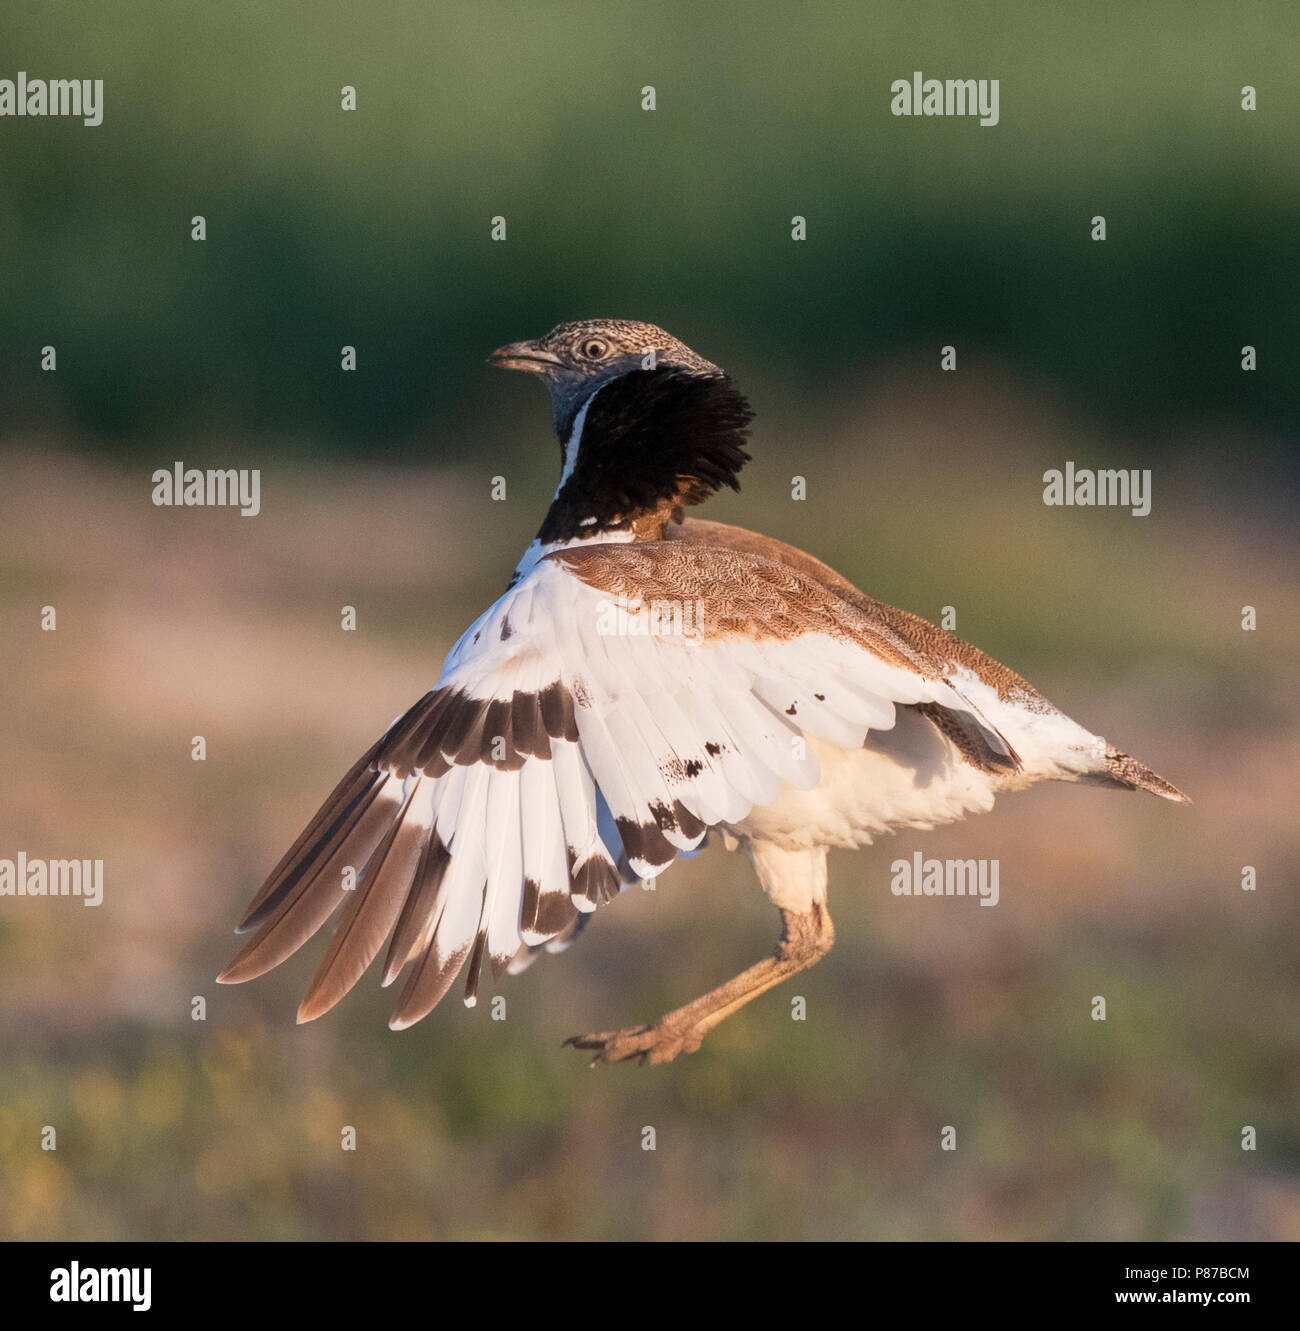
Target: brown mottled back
[{"x": 938, "y": 648}]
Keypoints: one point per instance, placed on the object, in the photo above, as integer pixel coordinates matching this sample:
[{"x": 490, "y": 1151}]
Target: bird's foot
[{"x": 660, "y": 1042}]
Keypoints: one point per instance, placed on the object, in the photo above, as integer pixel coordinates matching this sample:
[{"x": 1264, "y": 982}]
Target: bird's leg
[{"x": 805, "y": 939}]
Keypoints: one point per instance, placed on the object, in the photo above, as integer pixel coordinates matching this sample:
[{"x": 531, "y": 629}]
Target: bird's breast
[{"x": 908, "y": 777}]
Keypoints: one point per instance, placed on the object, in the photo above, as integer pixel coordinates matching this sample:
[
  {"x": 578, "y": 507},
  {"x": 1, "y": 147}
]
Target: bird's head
[
  {"x": 574, "y": 360},
  {"x": 645, "y": 424}
]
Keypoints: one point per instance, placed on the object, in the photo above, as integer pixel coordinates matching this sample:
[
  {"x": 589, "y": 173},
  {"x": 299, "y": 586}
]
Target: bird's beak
[{"x": 527, "y": 356}]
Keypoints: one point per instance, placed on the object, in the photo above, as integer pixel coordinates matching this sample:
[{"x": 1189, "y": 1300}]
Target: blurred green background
[{"x": 371, "y": 228}]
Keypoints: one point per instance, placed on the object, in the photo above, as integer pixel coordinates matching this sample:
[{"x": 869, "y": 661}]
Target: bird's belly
[{"x": 910, "y": 776}]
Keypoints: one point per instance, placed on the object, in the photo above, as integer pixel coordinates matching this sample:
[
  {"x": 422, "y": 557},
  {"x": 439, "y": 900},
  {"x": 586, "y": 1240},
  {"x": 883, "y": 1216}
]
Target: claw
[{"x": 647, "y": 1044}]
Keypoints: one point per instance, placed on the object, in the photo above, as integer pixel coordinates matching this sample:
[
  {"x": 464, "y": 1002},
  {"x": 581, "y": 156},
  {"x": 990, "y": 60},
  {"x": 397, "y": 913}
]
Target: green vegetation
[{"x": 371, "y": 228}]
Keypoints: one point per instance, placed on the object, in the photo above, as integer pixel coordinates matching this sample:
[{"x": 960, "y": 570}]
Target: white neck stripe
[{"x": 572, "y": 443}]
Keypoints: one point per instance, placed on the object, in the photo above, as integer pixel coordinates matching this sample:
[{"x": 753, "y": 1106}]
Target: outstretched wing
[{"x": 591, "y": 726}]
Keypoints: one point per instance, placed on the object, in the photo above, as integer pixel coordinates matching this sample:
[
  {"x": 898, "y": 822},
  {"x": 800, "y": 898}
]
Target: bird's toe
[{"x": 656, "y": 1043}]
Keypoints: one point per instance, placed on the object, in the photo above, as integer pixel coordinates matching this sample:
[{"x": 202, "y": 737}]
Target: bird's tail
[{"x": 1124, "y": 770}]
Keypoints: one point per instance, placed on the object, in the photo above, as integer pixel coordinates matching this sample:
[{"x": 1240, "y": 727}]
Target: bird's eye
[{"x": 595, "y": 349}]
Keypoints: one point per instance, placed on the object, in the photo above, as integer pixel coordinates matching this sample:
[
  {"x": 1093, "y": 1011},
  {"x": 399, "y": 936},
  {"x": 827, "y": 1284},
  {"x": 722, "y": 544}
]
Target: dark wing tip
[{"x": 1125, "y": 770}]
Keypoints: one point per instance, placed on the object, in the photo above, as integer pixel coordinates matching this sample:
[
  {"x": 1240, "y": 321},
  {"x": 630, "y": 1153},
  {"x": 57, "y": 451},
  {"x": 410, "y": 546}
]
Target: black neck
[{"x": 651, "y": 440}]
